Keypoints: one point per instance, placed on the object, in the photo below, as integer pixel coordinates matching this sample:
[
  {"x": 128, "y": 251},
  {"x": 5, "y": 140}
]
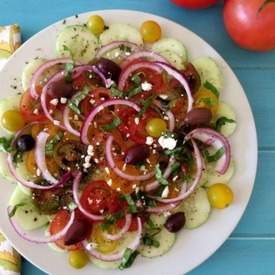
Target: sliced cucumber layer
[
  {"x": 196, "y": 209},
  {"x": 77, "y": 42},
  {"x": 209, "y": 71}
]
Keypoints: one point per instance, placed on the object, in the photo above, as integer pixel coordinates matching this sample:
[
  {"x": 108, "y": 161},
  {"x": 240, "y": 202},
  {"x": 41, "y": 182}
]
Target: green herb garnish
[
  {"x": 209, "y": 86},
  {"x": 17, "y": 157},
  {"x": 114, "y": 124},
  {"x": 221, "y": 121},
  {"x": 134, "y": 91},
  {"x": 159, "y": 176},
  {"x": 116, "y": 92},
  {"x": 131, "y": 203},
  {"x": 125, "y": 48},
  {"x": 51, "y": 144},
  {"x": 15, "y": 208},
  {"x": 5, "y": 144},
  {"x": 75, "y": 101},
  {"x": 145, "y": 105},
  {"x": 68, "y": 71},
  {"x": 216, "y": 156},
  {"x": 128, "y": 258},
  {"x": 110, "y": 220},
  {"x": 150, "y": 241}
]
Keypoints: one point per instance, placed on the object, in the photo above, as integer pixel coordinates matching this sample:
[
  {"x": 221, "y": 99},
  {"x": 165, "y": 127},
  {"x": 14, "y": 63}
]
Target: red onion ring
[
  {"x": 172, "y": 121},
  {"x": 41, "y": 69},
  {"x": 162, "y": 209},
  {"x": 178, "y": 76},
  {"x": 40, "y": 156},
  {"x": 124, "y": 230},
  {"x": 187, "y": 192},
  {"x": 76, "y": 184},
  {"x": 217, "y": 140},
  {"x": 30, "y": 184},
  {"x": 155, "y": 184},
  {"x": 97, "y": 109},
  {"x": 144, "y": 54},
  {"x": 116, "y": 256},
  {"x": 132, "y": 68},
  {"x": 67, "y": 124},
  {"x": 40, "y": 240},
  {"x": 114, "y": 45},
  {"x": 120, "y": 173}
]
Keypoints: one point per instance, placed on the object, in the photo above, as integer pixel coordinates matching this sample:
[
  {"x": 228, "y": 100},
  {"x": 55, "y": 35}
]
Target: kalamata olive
[
  {"x": 109, "y": 68},
  {"x": 175, "y": 222},
  {"x": 78, "y": 231},
  {"x": 198, "y": 117},
  {"x": 192, "y": 77},
  {"x": 60, "y": 88},
  {"x": 25, "y": 143},
  {"x": 137, "y": 154}
]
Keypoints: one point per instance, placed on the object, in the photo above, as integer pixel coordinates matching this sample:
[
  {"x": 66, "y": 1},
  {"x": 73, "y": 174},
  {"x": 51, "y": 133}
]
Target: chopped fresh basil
[
  {"x": 136, "y": 78},
  {"x": 5, "y": 144},
  {"x": 216, "y": 156},
  {"x": 221, "y": 121},
  {"x": 15, "y": 208},
  {"x": 134, "y": 91},
  {"x": 75, "y": 101},
  {"x": 131, "y": 203},
  {"x": 209, "y": 86},
  {"x": 67, "y": 49},
  {"x": 208, "y": 101},
  {"x": 68, "y": 72},
  {"x": 145, "y": 201},
  {"x": 17, "y": 157},
  {"x": 160, "y": 178},
  {"x": 175, "y": 167},
  {"x": 125, "y": 48},
  {"x": 51, "y": 144},
  {"x": 150, "y": 241},
  {"x": 181, "y": 154},
  {"x": 116, "y": 92},
  {"x": 129, "y": 257},
  {"x": 110, "y": 220},
  {"x": 145, "y": 105},
  {"x": 114, "y": 124}
]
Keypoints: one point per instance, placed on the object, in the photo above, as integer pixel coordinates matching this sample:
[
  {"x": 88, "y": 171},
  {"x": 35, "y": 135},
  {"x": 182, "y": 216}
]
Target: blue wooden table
[{"x": 251, "y": 248}]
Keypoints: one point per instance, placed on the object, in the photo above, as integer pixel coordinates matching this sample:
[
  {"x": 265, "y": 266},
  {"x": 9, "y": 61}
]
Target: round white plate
[{"x": 192, "y": 247}]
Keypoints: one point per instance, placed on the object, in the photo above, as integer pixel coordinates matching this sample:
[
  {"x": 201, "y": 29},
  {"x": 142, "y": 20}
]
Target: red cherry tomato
[
  {"x": 57, "y": 224},
  {"x": 250, "y": 27},
  {"x": 28, "y": 105},
  {"x": 195, "y": 4},
  {"x": 133, "y": 226}
]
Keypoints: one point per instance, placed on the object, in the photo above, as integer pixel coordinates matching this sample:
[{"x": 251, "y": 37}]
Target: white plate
[{"x": 192, "y": 247}]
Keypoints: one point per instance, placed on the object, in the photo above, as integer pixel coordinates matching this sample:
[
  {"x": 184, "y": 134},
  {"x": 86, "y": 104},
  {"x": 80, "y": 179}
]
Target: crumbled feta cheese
[
  {"x": 87, "y": 159},
  {"x": 167, "y": 142},
  {"x": 101, "y": 211},
  {"x": 92, "y": 101},
  {"x": 56, "y": 122},
  {"x": 136, "y": 120},
  {"x": 109, "y": 182},
  {"x": 87, "y": 165},
  {"x": 76, "y": 117},
  {"x": 124, "y": 166},
  {"x": 90, "y": 150},
  {"x": 166, "y": 118},
  {"x": 107, "y": 170},
  {"x": 164, "y": 97},
  {"x": 118, "y": 189},
  {"x": 175, "y": 178},
  {"x": 96, "y": 160},
  {"x": 137, "y": 190},
  {"x": 102, "y": 98},
  {"x": 149, "y": 140},
  {"x": 167, "y": 214},
  {"x": 50, "y": 111},
  {"x": 38, "y": 172},
  {"x": 165, "y": 192},
  {"x": 63, "y": 100},
  {"x": 146, "y": 86},
  {"x": 54, "y": 101},
  {"x": 36, "y": 111}
]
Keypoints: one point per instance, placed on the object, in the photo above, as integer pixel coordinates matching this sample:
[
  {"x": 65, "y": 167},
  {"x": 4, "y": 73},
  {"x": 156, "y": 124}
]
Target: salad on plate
[{"x": 116, "y": 145}]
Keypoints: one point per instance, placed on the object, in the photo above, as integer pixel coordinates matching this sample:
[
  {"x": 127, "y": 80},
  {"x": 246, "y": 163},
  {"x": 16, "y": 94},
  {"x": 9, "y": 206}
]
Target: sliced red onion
[
  {"x": 30, "y": 184},
  {"x": 40, "y": 156},
  {"x": 187, "y": 192},
  {"x": 162, "y": 208},
  {"x": 114, "y": 45},
  {"x": 172, "y": 120},
  {"x": 41, "y": 69},
  {"x": 178, "y": 76},
  {"x": 120, "y": 173},
  {"x": 155, "y": 184},
  {"x": 39, "y": 240},
  {"x": 118, "y": 255},
  {"x": 127, "y": 72},
  {"x": 67, "y": 124},
  {"x": 119, "y": 235},
  {"x": 76, "y": 184},
  {"x": 217, "y": 140},
  {"x": 152, "y": 56},
  {"x": 99, "y": 108}
]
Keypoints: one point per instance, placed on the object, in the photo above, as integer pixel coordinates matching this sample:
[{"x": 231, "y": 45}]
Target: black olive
[
  {"x": 25, "y": 143},
  {"x": 109, "y": 68},
  {"x": 175, "y": 222},
  {"x": 137, "y": 153},
  {"x": 60, "y": 88}
]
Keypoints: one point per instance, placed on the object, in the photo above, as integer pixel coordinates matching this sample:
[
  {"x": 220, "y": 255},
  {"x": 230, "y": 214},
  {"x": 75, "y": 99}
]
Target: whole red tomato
[
  {"x": 251, "y": 24},
  {"x": 195, "y": 4}
]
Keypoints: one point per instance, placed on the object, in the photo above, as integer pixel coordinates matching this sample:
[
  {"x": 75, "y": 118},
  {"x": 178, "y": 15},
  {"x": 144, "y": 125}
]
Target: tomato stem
[{"x": 266, "y": 2}]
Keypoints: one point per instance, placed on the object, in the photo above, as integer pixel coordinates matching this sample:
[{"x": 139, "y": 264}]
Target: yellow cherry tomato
[
  {"x": 12, "y": 120},
  {"x": 102, "y": 244},
  {"x": 96, "y": 24},
  {"x": 155, "y": 127},
  {"x": 220, "y": 195},
  {"x": 30, "y": 162},
  {"x": 205, "y": 98},
  {"x": 78, "y": 258},
  {"x": 150, "y": 31}
]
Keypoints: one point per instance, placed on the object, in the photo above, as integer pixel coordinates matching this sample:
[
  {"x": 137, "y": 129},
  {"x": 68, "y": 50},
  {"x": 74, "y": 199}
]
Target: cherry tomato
[
  {"x": 57, "y": 224},
  {"x": 96, "y": 24},
  {"x": 150, "y": 31},
  {"x": 250, "y": 26},
  {"x": 28, "y": 107},
  {"x": 207, "y": 99},
  {"x": 133, "y": 226},
  {"x": 78, "y": 258},
  {"x": 195, "y": 4},
  {"x": 220, "y": 195},
  {"x": 12, "y": 120},
  {"x": 155, "y": 127},
  {"x": 30, "y": 162}
]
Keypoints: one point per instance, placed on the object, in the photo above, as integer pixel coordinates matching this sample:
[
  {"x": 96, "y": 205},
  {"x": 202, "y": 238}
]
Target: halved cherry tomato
[
  {"x": 86, "y": 79},
  {"x": 133, "y": 226},
  {"x": 28, "y": 107}
]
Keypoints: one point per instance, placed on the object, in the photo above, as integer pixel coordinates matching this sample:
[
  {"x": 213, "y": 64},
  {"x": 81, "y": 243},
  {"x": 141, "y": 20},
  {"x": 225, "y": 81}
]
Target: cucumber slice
[
  {"x": 209, "y": 71},
  {"x": 27, "y": 215},
  {"x": 28, "y": 72},
  {"x": 158, "y": 219},
  {"x": 196, "y": 209},
  {"x": 174, "y": 59},
  {"x": 171, "y": 45},
  {"x": 4, "y": 170},
  {"x": 166, "y": 240},
  {"x": 77, "y": 42},
  {"x": 224, "y": 110},
  {"x": 121, "y": 32},
  {"x": 215, "y": 177}
]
